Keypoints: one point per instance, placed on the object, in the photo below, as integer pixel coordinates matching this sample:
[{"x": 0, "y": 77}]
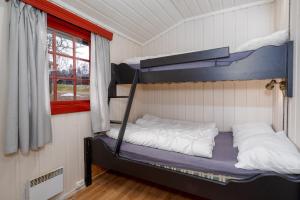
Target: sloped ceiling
[{"x": 142, "y": 20}]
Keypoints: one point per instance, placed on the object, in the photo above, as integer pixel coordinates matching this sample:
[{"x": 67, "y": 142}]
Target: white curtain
[
  {"x": 100, "y": 77},
  {"x": 28, "y": 118}
]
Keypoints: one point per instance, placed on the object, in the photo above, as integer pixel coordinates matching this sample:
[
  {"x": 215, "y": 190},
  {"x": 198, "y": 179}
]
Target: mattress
[{"x": 222, "y": 162}]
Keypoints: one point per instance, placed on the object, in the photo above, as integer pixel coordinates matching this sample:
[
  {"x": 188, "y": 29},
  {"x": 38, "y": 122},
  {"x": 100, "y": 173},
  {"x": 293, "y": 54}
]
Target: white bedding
[
  {"x": 178, "y": 137},
  {"x": 150, "y": 120},
  {"x": 276, "y": 39},
  {"x": 242, "y": 132},
  {"x": 263, "y": 149}
]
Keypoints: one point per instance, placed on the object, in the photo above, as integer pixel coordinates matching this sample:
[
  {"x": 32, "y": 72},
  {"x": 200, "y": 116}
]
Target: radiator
[{"x": 45, "y": 186}]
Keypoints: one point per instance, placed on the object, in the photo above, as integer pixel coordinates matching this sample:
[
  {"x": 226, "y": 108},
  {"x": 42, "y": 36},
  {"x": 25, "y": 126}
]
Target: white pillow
[
  {"x": 236, "y": 128},
  {"x": 136, "y": 60},
  {"x": 237, "y": 140},
  {"x": 245, "y": 130},
  {"x": 151, "y": 120},
  {"x": 269, "y": 152},
  {"x": 151, "y": 117},
  {"x": 277, "y": 38}
]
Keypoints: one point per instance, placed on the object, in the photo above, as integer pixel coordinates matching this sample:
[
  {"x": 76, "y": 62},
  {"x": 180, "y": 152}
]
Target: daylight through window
[{"x": 69, "y": 64}]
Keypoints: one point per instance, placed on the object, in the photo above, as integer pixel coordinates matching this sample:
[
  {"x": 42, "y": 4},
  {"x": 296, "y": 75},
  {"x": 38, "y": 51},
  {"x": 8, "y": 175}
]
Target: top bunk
[{"x": 267, "y": 62}]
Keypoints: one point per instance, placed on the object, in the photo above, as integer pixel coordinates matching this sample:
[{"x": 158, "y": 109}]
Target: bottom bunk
[
  {"x": 219, "y": 168},
  {"x": 215, "y": 178}
]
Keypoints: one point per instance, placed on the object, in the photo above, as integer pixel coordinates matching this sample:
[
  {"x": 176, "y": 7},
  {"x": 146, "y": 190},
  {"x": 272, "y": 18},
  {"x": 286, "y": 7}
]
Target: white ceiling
[{"x": 141, "y": 20}]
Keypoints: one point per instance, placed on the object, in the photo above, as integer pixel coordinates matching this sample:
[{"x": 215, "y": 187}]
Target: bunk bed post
[
  {"x": 88, "y": 161},
  {"x": 290, "y": 52},
  {"x": 112, "y": 88},
  {"x": 127, "y": 112}
]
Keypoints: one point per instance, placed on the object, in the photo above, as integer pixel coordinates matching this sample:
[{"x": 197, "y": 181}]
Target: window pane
[
  {"x": 83, "y": 89},
  {"x": 50, "y": 40},
  {"x": 50, "y": 59},
  {"x": 82, "y": 69},
  {"x": 64, "y": 44},
  {"x": 51, "y": 71},
  {"x": 62, "y": 70},
  {"x": 51, "y": 85},
  {"x": 65, "y": 90},
  {"x": 64, "y": 66},
  {"x": 82, "y": 50}
]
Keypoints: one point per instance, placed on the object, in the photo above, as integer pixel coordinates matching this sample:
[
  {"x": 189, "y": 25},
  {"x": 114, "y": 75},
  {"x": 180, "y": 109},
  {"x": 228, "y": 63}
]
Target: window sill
[{"x": 64, "y": 107}]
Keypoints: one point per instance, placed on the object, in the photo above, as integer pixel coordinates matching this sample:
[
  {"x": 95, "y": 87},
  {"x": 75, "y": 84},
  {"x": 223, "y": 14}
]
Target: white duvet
[
  {"x": 181, "y": 136},
  {"x": 151, "y": 120}
]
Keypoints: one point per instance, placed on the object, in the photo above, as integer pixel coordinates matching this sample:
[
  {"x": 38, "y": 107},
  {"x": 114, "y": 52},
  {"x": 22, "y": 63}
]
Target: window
[{"x": 69, "y": 67}]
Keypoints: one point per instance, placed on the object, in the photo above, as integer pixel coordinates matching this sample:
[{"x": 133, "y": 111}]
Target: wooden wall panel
[
  {"x": 282, "y": 14},
  {"x": 279, "y": 103},
  {"x": 230, "y": 28},
  {"x": 241, "y": 101},
  {"x": 208, "y": 104},
  {"x": 225, "y": 103},
  {"x": 65, "y": 151},
  {"x": 118, "y": 106},
  {"x": 122, "y": 48},
  {"x": 229, "y": 105},
  {"x": 294, "y": 103}
]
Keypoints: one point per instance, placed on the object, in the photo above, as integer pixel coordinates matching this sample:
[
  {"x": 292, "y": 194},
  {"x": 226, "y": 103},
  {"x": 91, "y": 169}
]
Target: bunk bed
[{"x": 199, "y": 177}]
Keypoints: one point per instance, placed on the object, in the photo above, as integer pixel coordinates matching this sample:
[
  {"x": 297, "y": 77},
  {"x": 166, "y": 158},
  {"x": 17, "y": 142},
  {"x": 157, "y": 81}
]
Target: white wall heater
[{"x": 45, "y": 186}]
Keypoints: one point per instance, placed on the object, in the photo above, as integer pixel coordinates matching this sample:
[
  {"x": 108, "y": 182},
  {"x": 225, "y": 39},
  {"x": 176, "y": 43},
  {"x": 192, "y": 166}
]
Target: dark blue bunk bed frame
[{"x": 270, "y": 62}]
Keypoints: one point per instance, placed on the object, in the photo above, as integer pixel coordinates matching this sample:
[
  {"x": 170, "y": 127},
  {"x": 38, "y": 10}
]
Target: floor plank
[
  {"x": 96, "y": 170},
  {"x": 114, "y": 186}
]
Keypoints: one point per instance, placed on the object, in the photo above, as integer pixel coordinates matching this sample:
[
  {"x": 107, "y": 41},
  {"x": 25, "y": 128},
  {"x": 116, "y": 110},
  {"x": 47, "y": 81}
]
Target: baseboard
[{"x": 79, "y": 186}]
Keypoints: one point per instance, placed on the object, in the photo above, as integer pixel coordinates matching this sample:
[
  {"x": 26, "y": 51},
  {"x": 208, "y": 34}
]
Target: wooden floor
[{"x": 110, "y": 186}]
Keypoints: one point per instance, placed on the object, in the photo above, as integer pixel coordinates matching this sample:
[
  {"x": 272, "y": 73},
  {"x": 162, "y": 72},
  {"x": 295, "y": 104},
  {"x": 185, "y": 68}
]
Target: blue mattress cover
[{"x": 222, "y": 162}]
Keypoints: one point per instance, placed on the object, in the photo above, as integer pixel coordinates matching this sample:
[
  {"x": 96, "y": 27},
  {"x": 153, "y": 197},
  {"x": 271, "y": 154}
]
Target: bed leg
[{"x": 88, "y": 161}]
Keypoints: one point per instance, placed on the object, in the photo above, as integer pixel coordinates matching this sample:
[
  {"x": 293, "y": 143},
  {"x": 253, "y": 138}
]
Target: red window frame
[
  {"x": 61, "y": 13},
  {"x": 68, "y": 106}
]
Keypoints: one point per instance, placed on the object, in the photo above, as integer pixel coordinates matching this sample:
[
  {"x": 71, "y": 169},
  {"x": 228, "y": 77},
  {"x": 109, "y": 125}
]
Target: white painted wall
[
  {"x": 228, "y": 102},
  {"x": 228, "y": 28},
  {"x": 122, "y": 48},
  {"x": 68, "y": 131},
  {"x": 294, "y": 103},
  {"x": 282, "y": 14},
  {"x": 118, "y": 106},
  {"x": 225, "y": 103}
]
